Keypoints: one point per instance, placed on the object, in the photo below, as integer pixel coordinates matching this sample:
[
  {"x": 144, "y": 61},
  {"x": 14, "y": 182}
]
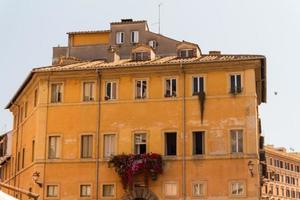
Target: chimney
[
  {"x": 113, "y": 55},
  {"x": 214, "y": 53},
  {"x": 126, "y": 20}
]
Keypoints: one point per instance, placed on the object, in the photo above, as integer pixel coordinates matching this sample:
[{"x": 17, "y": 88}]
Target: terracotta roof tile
[
  {"x": 84, "y": 32},
  {"x": 158, "y": 61}
]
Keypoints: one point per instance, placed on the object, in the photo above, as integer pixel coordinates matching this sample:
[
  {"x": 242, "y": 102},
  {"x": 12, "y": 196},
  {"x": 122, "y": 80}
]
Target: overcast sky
[{"x": 29, "y": 29}]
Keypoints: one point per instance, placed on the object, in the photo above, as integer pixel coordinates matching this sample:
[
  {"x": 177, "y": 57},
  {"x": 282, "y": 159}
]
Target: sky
[{"x": 29, "y": 29}]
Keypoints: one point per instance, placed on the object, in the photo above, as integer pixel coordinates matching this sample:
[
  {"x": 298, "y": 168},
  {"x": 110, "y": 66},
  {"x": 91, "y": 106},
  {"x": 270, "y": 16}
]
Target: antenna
[{"x": 159, "y": 17}]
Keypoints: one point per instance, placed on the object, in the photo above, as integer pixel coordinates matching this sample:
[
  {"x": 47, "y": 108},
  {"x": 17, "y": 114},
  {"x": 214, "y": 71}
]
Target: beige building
[
  {"x": 283, "y": 174},
  {"x": 133, "y": 93}
]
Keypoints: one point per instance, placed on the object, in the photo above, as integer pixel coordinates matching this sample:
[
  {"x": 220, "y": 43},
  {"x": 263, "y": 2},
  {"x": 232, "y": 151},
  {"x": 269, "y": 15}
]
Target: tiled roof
[
  {"x": 124, "y": 63},
  {"x": 84, "y": 32}
]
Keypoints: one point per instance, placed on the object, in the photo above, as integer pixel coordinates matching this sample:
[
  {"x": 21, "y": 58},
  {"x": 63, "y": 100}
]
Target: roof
[
  {"x": 129, "y": 22},
  {"x": 128, "y": 63},
  {"x": 282, "y": 152},
  {"x": 86, "y": 32},
  {"x": 123, "y": 63}
]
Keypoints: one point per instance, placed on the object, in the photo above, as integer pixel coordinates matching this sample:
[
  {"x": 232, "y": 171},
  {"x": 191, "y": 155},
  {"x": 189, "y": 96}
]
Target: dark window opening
[
  {"x": 198, "y": 143},
  {"x": 171, "y": 144},
  {"x": 198, "y": 85},
  {"x": 235, "y": 84}
]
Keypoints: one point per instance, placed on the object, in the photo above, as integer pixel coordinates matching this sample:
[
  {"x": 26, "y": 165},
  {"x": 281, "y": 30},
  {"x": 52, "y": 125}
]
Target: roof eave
[{"x": 14, "y": 98}]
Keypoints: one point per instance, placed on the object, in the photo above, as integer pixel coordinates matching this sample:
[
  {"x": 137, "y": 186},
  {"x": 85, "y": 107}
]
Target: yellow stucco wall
[
  {"x": 89, "y": 38},
  {"x": 154, "y": 115}
]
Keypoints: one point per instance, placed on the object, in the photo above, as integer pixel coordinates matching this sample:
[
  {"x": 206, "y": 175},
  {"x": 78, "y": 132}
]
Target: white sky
[{"x": 29, "y": 29}]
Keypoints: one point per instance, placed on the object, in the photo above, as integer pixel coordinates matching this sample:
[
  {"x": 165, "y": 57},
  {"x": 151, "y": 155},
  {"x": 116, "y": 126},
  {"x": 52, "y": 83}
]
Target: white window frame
[
  {"x": 56, "y": 99},
  {"x": 198, "y": 83},
  {"x": 152, "y": 43},
  {"x": 120, "y": 37},
  {"x": 58, "y": 147},
  {"x": 186, "y": 53},
  {"x": 91, "y": 96},
  {"x": 114, "y": 190},
  {"x": 235, "y": 185},
  {"x": 203, "y": 184},
  {"x": 47, "y": 191},
  {"x": 137, "y": 144},
  {"x": 81, "y": 146},
  {"x": 111, "y": 96},
  {"x": 173, "y": 183},
  {"x": 139, "y": 95},
  {"x": 134, "y": 37},
  {"x": 111, "y": 150},
  {"x": 236, "y": 83},
  {"x": 89, "y": 192},
  {"x": 236, "y": 142},
  {"x": 172, "y": 94}
]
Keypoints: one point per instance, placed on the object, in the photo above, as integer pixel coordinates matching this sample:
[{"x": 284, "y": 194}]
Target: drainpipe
[
  {"x": 46, "y": 127},
  {"x": 98, "y": 132},
  {"x": 183, "y": 136}
]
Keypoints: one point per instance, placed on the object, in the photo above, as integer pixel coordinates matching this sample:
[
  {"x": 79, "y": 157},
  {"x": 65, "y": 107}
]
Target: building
[
  {"x": 131, "y": 91},
  {"x": 283, "y": 174},
  {"x": 5, "y": 155}
]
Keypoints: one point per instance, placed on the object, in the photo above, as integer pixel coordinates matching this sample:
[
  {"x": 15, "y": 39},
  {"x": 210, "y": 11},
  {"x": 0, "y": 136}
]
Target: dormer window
[
  {"x": 120, "y": 37},
  {"x": 139, "y": 56},
  {"x": 187, "y": 53},
  {"x": 153, "y": 44},
  {"x": 134, "y": 37}
]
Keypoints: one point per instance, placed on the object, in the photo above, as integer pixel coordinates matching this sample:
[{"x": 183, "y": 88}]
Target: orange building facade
[{"x": 198, "y": 111}]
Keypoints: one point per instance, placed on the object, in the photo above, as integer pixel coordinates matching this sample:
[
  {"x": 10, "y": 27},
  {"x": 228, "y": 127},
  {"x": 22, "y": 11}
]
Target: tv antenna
[{"x": 159, "y": 5}]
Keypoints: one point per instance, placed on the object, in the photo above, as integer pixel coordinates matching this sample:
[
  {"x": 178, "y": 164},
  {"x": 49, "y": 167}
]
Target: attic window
[
  {"x": 153, "y": 44},
  {"x": 187, "y": 53},
  {"x": 139, "y": 56}
]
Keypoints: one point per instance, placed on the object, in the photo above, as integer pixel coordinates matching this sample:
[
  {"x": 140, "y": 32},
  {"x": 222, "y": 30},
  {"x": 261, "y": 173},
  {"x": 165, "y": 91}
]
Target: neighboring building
[
  {"x": 283, "y": 174},
  {"x": 5, "y": 155},
  {"x": 199, "y": 111}
]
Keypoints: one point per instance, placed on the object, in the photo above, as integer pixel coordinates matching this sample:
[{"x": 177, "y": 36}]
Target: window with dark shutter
[
  {"x": 198, "y": 85},
  {"x": 235, "y": 84},
  {"x": 198, "y": 143},
  {"x": 171, "y": 144}
]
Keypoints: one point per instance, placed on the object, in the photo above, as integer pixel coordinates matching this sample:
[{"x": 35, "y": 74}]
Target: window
[
  {"x": 21, "y": 114},
  {"x": 18, "y": 161},
  {"x": 32, "y": 151},
  {"x": 153, "y": 44},
  {"x": 88, "y": 91},
  {"x": 277, "y": 190},
  {"x": 85, "y": 190},
  {"x": 187, "y": 53},
  {"x": 237, "y": 188},
  {"x": 170, "y": 144},
  {"x": 35, "y": 101},
  {"x": 54, "y": 147},
  {"x": 86, "y": 146},
  {"x": 198, "y": 85},
  {"x": 120, "y": 37},
  {"x": 108, "y": 190},
  {"x": 198, "y": 143},
  {"x": 282, "y": 191},
  {"x": 26, "y": 109},
  {"x": 170, "y": 87},
  {"x": 134, "y": 37},
  {"x": 140, "y": 89},
  {"x": 140, "y": 56},
  {"x": 23, "y": 157},
  {"x": 109, "y": 145},
  {"x": 56, "y": 92},
  {"x": 235, "y": 84},
  {"x": 52, "y": 191},
  {"x": 110, "y": 90},
  {"x": 271, "y": 163},
  {"x": 236, "y": 141},
  {"x": 170, "y": 189},
  {"x": 140, "y": 143},
  {"x": 198, "y": 189}
]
